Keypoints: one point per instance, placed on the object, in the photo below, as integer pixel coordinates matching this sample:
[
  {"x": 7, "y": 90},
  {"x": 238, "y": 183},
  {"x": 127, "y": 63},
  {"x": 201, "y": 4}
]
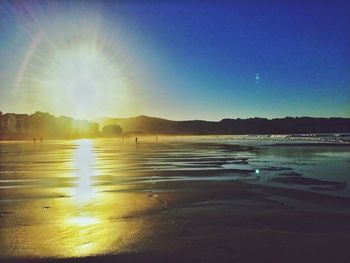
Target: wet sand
[{"x": 171, "y": 201}]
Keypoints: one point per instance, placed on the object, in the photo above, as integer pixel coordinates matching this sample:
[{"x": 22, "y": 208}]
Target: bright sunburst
[
  {"x": 82, "y": 77},
  {"x": 76, "y": 65}
]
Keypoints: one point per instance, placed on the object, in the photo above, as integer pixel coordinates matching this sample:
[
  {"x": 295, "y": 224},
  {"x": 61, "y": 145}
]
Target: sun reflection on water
[
  {"x": 83, "y": 220},
  {"x": 86, "y": 219},
  {"x": 88, "y": 223},
  {"x": 85, "y": 161}
]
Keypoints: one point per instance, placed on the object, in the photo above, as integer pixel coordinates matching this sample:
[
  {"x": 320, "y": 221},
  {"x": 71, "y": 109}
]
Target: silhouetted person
[
  {"x": 136, "y": 140},
  {"x": 156, "y": 138}
]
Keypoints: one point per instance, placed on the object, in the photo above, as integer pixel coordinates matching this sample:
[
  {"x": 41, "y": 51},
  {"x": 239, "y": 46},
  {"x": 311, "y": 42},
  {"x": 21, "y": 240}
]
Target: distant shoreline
[
  {"x": 44, "y": 125},
  {"x": 281, "y": 140}
]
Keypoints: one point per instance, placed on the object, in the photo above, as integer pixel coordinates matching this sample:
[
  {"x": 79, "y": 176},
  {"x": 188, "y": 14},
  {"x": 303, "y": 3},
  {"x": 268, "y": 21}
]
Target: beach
[{"x": 175, "y": 199}]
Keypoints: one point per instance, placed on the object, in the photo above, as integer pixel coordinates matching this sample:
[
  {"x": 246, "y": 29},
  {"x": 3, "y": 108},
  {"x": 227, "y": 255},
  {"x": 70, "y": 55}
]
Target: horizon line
[{"x": 163, "y": 118}]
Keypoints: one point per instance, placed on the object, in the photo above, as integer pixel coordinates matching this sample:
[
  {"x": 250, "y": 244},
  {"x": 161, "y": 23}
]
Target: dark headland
[{"x": 27, "y": 126}]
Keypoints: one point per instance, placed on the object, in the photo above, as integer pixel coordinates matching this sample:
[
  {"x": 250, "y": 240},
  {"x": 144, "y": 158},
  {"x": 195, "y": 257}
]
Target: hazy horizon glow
[{"x": 175, "y": 60}]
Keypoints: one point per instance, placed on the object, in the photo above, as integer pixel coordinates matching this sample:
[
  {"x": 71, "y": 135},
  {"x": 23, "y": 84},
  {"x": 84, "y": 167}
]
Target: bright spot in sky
[
  {"x": 82, "y": 79},
  {"x": 257, "y": 78},
  {"x": 76, "y": 65}
]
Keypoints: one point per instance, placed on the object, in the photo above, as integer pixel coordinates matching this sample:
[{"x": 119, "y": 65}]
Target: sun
[
  {"x": 78, "y": 65},
  {"x": 83, "y": 80}
]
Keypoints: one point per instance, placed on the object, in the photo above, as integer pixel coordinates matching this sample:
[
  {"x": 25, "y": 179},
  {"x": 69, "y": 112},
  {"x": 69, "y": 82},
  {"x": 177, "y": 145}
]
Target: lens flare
[{"x": 75, "y": 63}]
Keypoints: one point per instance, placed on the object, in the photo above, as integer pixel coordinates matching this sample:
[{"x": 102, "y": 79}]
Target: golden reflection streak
[
  {"x": 89, "y": 221},
  {"x": 85, "y": 161},
  {"x": 84, "y": 221},
  {"x": 88, "y": 226}
]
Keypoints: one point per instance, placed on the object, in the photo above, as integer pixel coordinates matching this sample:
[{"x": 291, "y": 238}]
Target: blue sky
[{"x": 199, "y": 60}]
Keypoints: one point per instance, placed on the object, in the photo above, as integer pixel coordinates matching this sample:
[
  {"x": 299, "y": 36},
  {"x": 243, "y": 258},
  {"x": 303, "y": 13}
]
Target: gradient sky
[{"x": 177, "y": 59}]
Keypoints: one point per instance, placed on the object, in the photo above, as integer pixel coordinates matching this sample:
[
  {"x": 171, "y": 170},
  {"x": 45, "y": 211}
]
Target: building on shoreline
[
  {"x": 8, "y": 122},
  {"x": 24, "y": 126}
]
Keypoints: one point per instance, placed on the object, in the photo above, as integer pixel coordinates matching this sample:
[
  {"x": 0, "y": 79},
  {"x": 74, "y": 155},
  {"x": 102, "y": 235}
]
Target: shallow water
[{"x": 89, "y": 197}]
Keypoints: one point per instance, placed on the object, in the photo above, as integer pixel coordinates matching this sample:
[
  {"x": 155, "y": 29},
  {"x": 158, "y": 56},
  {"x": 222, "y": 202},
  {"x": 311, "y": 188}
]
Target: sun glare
[
  {"x": 83, "y": 80},
  {"x": 76, "y": 66},
  {"x": 83, "y": 221},
  {"x": 84, "y": 163}
]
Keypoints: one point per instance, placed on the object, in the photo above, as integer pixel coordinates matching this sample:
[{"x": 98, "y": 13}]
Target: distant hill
[
  {"x": 151, "y": 125},
  {"x": 23, "y": 126}
]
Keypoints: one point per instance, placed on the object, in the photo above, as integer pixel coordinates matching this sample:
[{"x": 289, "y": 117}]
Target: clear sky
[{"x": 176, "y": 59}]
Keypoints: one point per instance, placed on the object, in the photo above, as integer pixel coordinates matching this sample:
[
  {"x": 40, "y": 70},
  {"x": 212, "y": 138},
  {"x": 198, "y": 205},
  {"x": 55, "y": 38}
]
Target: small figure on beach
[{"x": 136, "y": 140}]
